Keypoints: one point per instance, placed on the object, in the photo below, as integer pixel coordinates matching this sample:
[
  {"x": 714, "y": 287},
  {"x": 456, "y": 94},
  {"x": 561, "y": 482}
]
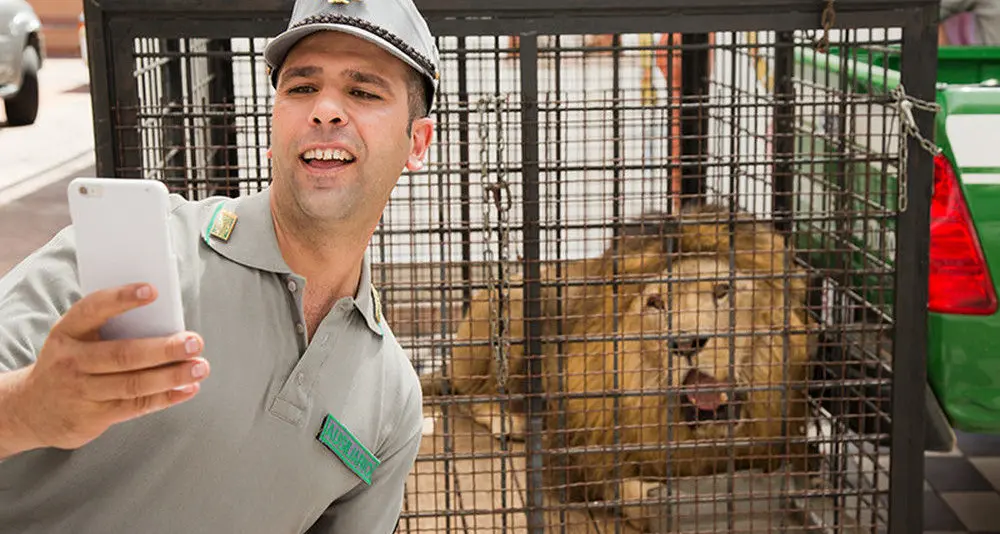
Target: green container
[{"x": 963, "y": 64}]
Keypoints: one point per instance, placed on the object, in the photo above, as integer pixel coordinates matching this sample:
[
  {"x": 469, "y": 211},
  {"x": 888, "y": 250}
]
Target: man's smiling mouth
[{"x": 326, "y": 158}]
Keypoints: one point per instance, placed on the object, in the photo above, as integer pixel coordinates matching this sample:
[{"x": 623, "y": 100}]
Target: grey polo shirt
[{"x": 245, "y": 454}]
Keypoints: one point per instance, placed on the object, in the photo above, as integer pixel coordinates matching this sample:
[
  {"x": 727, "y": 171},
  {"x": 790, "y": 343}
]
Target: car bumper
[{"x": 964, "y": 372}]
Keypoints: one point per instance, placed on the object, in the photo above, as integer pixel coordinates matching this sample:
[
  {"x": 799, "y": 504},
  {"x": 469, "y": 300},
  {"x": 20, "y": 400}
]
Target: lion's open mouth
[{"x": 709, "y": 405}]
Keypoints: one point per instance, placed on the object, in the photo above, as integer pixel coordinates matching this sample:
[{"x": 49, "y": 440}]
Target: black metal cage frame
[{"x": 113, "y": 26}]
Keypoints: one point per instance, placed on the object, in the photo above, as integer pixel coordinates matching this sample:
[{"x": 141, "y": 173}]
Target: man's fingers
[
  {"x": 93, "y": 310},
  {"x": 137, "y": 384},
  {"x": 125, "y": 409},
  {"x": 123, "y": 355}
]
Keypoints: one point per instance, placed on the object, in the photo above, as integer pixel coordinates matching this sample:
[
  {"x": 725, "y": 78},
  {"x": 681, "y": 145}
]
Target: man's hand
[{"x": 80, "y": 384}]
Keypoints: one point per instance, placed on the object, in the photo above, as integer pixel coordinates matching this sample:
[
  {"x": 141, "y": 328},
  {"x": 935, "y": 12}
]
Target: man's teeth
[{"x": 328, "y": 154}]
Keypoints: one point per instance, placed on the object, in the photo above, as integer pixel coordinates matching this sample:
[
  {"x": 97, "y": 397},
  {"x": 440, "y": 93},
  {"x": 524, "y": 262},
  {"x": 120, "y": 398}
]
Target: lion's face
[{"x": 702, "y": 320}]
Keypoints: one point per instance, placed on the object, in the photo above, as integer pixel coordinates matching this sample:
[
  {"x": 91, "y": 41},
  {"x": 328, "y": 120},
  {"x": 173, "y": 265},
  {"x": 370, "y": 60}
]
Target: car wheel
[{"x": 22, "y": 108}]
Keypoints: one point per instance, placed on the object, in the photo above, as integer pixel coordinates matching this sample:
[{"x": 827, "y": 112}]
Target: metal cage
[{"x": 560, "y": 226}]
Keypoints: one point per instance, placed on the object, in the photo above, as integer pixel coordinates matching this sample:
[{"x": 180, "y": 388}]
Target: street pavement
[
  {"x": 39, "y": 160},
  {"x": 60, "y": 143},
  {"x": 30, "y": 221}
]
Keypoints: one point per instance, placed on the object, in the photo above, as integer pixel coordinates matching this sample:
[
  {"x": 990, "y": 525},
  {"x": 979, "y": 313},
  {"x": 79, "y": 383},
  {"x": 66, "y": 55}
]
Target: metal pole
[
  {"x": 906, "y": 472},
  {"x": 532, "y": 290}
]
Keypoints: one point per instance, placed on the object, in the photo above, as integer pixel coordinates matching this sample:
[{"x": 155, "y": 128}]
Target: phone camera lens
[{"x": 83, "y": 190}]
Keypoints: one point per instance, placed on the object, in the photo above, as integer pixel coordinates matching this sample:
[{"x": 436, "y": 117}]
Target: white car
[{"x": 22, "y": 50}]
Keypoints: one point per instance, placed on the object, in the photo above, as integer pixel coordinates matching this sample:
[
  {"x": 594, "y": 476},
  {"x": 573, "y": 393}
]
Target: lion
[
  {"x": 472, "y": 368},
  {"x": 707, "y": 357},
  {"x": 641, "y": 253},
  {"x": 706, "y": 299}
]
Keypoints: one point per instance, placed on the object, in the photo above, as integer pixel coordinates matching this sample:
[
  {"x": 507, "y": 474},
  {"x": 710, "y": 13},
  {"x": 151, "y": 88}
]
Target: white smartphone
[{"x": 123, "y": 237}]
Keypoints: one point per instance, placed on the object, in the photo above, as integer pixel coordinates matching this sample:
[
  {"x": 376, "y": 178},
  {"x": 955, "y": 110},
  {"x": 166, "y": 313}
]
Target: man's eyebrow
[
  {"x": 305, "y": 71},
  {"x": 368, "y": 78}
]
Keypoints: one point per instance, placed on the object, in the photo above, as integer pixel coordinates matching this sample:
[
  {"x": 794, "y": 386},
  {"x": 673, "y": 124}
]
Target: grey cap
[{"x": 395, "y": 25}]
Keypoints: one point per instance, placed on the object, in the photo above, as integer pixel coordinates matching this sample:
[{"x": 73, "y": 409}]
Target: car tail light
[{"x": 959, "y": 280}]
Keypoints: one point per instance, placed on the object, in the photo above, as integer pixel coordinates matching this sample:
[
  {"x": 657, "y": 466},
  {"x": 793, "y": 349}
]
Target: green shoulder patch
[{"x": 336, "y": 437}]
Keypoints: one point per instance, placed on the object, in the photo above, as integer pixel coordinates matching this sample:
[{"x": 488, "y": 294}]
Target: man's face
[{"x": 340, "y": 129}]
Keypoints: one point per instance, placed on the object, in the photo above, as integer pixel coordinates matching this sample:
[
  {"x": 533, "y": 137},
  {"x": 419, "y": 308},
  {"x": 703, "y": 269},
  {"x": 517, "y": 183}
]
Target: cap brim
[{"x": 277, "y": 49}]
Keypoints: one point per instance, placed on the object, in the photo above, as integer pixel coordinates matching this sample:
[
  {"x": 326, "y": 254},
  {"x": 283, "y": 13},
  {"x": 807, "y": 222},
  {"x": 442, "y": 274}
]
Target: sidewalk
[{"x": 60, "y": 143}]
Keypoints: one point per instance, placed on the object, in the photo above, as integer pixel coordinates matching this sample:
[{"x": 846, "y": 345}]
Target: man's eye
[
  {"x": 301, "y": 89},
  {"x": 364, "y": 94}
]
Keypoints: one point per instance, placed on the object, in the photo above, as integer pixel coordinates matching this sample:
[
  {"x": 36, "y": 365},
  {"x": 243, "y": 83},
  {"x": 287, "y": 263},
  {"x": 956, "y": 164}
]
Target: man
[
  {"x": 311, "y": 418},
  {"x": 970, "y": 22}
]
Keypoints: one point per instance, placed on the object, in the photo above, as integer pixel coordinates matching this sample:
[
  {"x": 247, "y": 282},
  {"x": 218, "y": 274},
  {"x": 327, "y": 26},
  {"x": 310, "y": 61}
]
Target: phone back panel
[{"x": 122, "y": 237}]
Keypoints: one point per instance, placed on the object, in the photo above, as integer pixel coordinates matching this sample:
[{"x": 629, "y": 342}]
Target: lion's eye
[
  {"x": 721, "y": 290},
  {"x": 656, "y": 301}
]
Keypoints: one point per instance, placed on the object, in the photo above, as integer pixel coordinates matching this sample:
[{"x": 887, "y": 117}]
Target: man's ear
[
  {"x": 422, "y": 132},
  {"x": 268, "y": 153}
]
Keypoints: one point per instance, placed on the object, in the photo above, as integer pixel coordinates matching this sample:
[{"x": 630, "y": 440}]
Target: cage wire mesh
[{"x": 692, "y": 375}]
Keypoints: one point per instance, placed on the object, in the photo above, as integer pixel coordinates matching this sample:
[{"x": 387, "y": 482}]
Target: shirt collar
[
  {"x": 368, "y": 300},
  {"x": 251, "y": 241}
]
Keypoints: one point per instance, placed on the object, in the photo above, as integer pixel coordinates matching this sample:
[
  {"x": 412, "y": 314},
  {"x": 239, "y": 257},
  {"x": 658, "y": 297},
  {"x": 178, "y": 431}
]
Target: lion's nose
[{"x": 687, "y": 347}]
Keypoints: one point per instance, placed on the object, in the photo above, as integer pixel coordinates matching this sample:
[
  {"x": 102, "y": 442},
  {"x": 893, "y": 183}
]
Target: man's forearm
[{"x": 14, "y": 437}]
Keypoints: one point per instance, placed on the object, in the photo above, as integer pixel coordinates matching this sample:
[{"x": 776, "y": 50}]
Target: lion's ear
[
  {"x": 721, "y": 290},
  {"x": 656, "y": 301}
]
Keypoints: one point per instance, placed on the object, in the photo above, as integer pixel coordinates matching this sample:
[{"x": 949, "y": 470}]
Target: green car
[
  {"x": 964, "y": 270},
  {"x": 964, "y": 344}
]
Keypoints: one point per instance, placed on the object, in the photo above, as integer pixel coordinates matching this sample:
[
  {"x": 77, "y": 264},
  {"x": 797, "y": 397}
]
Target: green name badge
[{"x": 352, "y": 452}]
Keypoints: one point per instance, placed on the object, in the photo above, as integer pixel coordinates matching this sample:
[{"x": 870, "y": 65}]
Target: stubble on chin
[{"x": 317, "y": 208}]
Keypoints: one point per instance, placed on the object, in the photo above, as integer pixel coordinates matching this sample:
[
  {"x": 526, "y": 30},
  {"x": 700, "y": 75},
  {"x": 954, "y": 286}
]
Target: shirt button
[
  {"x": 292, "y": 286},
  {"x": 300, "y": 328},
  {"x": 300, "y": 378}
]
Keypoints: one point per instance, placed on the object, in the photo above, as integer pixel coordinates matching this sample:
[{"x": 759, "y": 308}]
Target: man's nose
[{"x": 328, "y": 110}]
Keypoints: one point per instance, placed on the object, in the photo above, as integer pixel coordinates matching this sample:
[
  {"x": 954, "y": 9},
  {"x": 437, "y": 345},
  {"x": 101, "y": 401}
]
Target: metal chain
[
  {"x": 493, "y": 193},
  {"x": 484, "y": 119},
  {"x": 503, "y": 202},
  {"x": 827, "y": 20},
  {"x": 904, "y": 105}
]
